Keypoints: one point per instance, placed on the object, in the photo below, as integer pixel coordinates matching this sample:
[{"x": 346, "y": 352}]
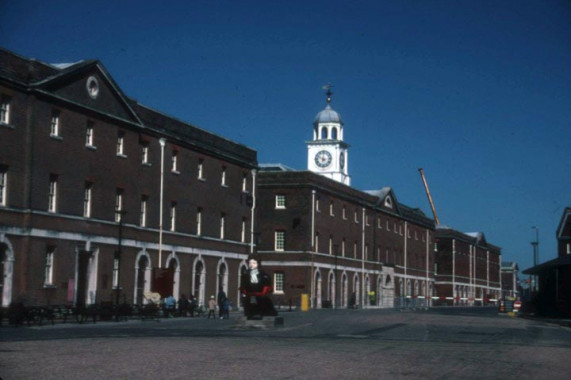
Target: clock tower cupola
[{"x": 327, "y": 152}]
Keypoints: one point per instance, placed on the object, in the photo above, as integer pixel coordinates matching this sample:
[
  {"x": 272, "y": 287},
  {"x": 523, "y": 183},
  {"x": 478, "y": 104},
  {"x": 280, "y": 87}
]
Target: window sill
[
  {"x": 121, "y": 155},
  {"x": 148, "y": 164},
  {"x": 279, "y": 292},
  {"x": 56, "y": 137},
  {"x": 90, "y": 147},
  {"x": 224, "y": 186},
  {"x": 50, "y": 286},
  {"x": 175, "y": 172},
  {"x": 201, "y": 179},
  {"x": 2, "y": 124}
]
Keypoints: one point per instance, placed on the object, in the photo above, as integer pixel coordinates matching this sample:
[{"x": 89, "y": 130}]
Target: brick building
[
  {"x": 510, "y": 281},
  {"x": 86, "y": 174},
  {"x": 554, "y": 276},
  {"x": 467, "y": 268},
  {"x": 340, "y": 245}
]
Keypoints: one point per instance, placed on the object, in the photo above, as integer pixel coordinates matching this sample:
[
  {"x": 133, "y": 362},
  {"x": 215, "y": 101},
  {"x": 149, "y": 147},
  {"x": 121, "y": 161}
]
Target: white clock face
[{"x": 323, "y": 159}]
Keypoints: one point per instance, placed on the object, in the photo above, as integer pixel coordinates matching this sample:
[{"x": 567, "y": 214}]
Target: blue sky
[{"x": 475, "y": 92}]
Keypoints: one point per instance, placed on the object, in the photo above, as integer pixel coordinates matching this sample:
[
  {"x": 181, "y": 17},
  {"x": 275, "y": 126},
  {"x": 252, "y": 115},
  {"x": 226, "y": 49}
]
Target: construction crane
[{"x": 429, "y": 197}]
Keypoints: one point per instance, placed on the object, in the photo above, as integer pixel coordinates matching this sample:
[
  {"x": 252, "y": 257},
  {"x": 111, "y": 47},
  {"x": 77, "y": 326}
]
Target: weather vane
[{"x": 329, "y": 92}]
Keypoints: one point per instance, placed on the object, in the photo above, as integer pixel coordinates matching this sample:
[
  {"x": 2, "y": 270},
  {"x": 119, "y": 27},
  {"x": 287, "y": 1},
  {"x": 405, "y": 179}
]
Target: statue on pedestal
[{"x": 256, "y": 288}]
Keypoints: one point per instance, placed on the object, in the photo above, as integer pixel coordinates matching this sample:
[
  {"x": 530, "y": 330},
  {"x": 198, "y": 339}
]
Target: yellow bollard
[{"x": 304, "y": 302}]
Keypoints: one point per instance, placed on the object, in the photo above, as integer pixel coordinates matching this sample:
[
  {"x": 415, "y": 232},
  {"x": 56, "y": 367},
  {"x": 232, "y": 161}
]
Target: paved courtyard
[{"x": 364, "y": 344}]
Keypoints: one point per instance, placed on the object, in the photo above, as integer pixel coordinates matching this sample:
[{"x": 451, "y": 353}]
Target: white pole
[
  {"x": 253, "y": 208},
  {"x": 162, "y": 142},
  {"x": 312, "y": 243}
]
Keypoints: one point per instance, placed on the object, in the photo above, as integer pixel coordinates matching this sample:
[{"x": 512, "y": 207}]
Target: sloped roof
[{"x": 44, "y": 78}]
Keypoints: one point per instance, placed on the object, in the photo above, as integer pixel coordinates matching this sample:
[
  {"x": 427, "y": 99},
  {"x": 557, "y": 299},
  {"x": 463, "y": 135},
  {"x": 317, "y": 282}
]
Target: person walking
[
  {"x": 221, "y": 299},
  {"x": 226, "y": 309},
  {"x": 212, "y": 307}
]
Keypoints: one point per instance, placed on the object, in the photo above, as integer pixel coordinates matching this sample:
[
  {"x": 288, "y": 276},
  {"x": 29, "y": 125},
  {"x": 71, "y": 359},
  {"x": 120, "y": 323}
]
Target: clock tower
[{"x": 327, "y": 152}]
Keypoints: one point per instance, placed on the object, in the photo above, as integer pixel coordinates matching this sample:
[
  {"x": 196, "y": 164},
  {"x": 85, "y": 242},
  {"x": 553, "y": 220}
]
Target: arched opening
[
  {"x": 198, "y": 286},
  {"x": 317, "y": 291},
  {"x": 222, "y": 280},
  {"x": 324, "y": 133},
  {"x": 356, "y": 295},
  {"x": 331, "y": 293},
  {"x": 334, "y": 133},
  {"x": 174, "y": 267},
  {"x": 6, "y": 273},
  {"x": 380, "y": 291},
  {"x": 142, "y": 278}
]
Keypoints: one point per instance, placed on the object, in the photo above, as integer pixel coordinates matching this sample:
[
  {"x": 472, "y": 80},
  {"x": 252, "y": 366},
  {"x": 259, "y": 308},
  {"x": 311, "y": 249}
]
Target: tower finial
[{"x": 329, "y": 92}]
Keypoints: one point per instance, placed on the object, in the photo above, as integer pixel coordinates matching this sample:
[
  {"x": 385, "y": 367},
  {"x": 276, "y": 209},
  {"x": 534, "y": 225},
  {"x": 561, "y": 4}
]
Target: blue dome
[{"x": 328, "y": 115}]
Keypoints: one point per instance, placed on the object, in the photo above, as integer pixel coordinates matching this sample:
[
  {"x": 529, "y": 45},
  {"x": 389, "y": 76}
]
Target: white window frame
[
  {"x": 280, "y": 201},
  {"x": 89, "y": 134},
  {"x": 173, "y": 216},
  {"x": 245, "y": 183},
  {"x": 200, "y": 171},
  {"x": 222, "y": 225},
  {"x": 49, "y": 267},
  {"x": 143, "y": 211},
  {"x": 115, "y": 280},
  {"x": 174, "y": 161},
  {"x": 223, "y": 177},
  {"x": 118, "y": 204},
  {"x": 52, "y": 193},
  {"x": 278, "y": 283},
  {"x": 87, "y": 198},
  {"x": 343, "y": 248},
  {"x": 344, "y": 213},
  {"x": 331, "y": 213},
  {"x": 243, "y": 234},
  {"x": 199, "y": 221},
  {"x": 5, "y": 110},
  {"x": 3, "y": 186},
  {"x": 121, "y": 144},
  {"x": 55, "y": 124},
  {"x": 279, "y": 241},
  {"x": 145, "y": 153}
]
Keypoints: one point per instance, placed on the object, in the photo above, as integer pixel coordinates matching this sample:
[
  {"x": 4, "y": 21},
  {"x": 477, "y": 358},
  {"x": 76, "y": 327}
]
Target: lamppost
[
  {"x": 120, "y": 215},
  {"x": 535, "y": 245}
]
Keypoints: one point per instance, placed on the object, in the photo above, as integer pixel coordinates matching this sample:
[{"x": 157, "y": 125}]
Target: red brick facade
[{"x": 65, "y": 255}]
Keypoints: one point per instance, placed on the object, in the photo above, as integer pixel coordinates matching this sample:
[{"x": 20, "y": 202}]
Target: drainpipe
[
  {"x": 312, "y": 243},
  {"x": 162, "y": 142},
  {"x": 253, "y": 209}
]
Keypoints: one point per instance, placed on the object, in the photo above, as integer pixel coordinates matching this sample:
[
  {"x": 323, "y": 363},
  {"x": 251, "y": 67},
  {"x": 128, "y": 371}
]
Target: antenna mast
[{"x": 429, "y": 197}]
